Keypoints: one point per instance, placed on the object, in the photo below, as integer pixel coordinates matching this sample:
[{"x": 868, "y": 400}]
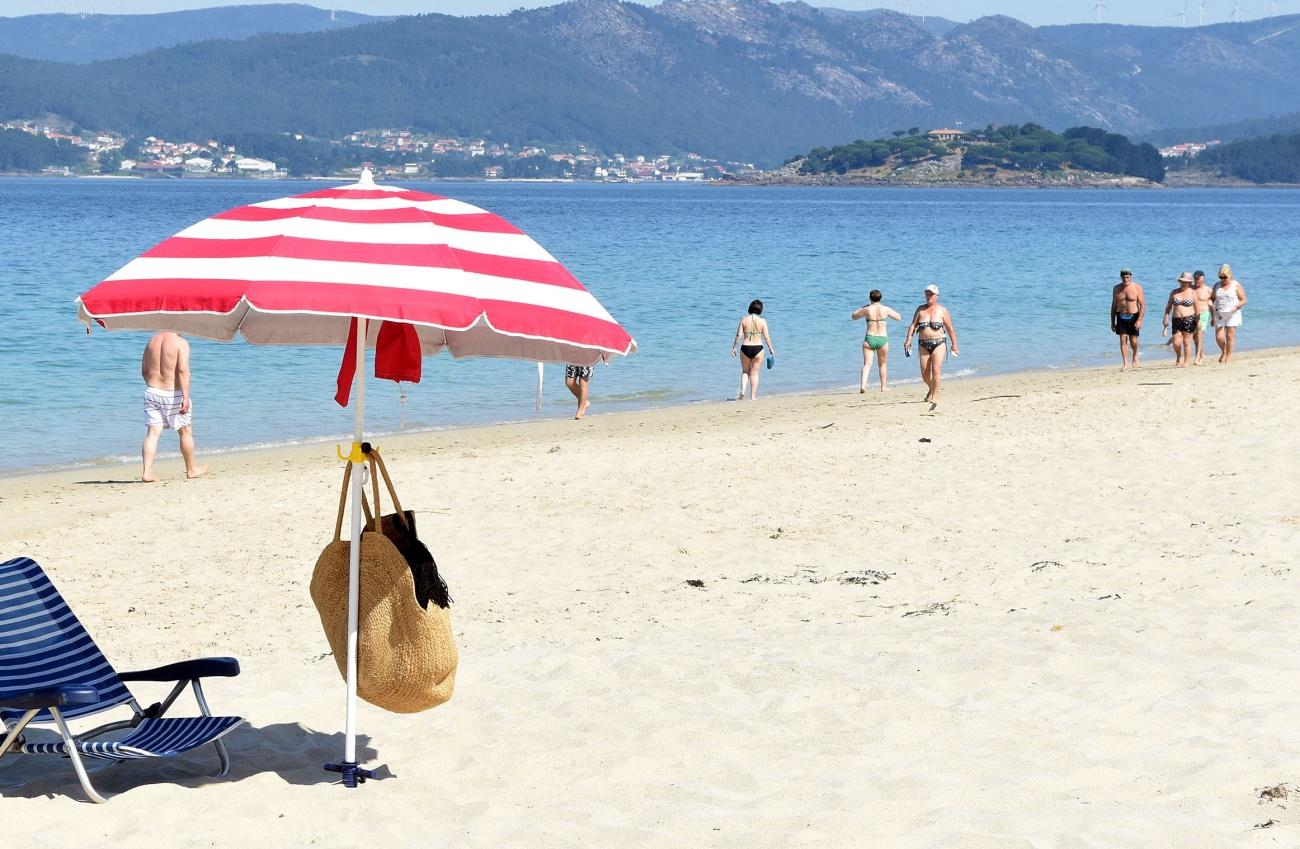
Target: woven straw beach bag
[{"x": 406, "y": 659}]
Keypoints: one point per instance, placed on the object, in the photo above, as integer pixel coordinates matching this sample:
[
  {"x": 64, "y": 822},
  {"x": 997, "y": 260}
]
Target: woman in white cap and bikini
[
  {"x": 1181, "y": 306},
  {"x": 934, "y": 332},
  {"x": 1228, "y": 299}
]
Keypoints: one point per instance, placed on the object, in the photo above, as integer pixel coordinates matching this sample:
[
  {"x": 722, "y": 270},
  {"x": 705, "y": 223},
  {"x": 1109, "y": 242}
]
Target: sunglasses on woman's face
[{"x": 1223, "y": 277}]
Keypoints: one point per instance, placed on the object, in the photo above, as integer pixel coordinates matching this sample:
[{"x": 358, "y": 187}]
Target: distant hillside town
[
  {"x": 389, "y": 152},
  {"x": 997, "y": 155},
  {"x": 743, "y": 80},
  {"x": 1188, "y": 150}
]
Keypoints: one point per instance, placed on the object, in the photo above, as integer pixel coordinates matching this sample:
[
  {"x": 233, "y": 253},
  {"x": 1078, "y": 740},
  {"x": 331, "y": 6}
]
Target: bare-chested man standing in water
[
  {"x": 1204, "y": 296},
  {"x": 1128, "y": 306},
  {"x": 165, "y": 368}
]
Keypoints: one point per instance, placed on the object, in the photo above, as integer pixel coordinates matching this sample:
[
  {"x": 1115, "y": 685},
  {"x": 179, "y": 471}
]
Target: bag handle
[
  {"x": 374, "y": 485},
  {"x": 377, "y": 517},
  {"x": 365, "y": 505},
  {"x": 388, "y": 481},
  {"x": 343, "y": 503}
]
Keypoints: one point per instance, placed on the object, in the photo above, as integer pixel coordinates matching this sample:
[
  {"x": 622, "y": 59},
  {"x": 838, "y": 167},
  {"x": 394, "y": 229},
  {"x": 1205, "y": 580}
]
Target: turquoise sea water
[{"x": 1026, "y": 274}]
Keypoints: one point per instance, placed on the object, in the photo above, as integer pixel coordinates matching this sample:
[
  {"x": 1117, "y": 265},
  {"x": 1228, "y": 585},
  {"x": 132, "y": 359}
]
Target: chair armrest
[
  {"x": 187, "y": 670},
  {"x": 48, "y": 697}
]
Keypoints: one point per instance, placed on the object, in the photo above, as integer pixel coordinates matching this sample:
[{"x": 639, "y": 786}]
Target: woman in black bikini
[
  {"x": 1182, "y": 306},
  {"x": 752, "y": 332},
  {"x": 934, "y": 332}
]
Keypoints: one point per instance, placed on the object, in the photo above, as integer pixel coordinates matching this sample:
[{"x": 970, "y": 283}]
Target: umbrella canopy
[
  {"x": 340, "y": 265},
  {"x": 297, "y": 270}
]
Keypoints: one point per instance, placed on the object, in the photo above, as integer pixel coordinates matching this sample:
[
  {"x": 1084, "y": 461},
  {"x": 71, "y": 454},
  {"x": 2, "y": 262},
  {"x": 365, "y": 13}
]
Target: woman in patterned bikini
[
  {"x": 1182, "y": 307},
  {"x": 934, "y": 332}
]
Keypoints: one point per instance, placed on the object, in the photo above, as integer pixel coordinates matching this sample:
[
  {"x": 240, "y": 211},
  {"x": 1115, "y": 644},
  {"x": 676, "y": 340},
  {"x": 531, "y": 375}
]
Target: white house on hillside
[{"x": 944, "y": 135}]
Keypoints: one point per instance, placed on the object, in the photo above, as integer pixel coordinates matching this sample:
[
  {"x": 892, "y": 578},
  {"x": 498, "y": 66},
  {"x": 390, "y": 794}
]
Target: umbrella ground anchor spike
[{"x": 352, "y": 773}]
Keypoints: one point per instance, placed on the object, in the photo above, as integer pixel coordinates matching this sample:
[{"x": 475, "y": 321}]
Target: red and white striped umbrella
[
  {"x": 296, "y": 271},
  {"x": 305, "y": 269}
]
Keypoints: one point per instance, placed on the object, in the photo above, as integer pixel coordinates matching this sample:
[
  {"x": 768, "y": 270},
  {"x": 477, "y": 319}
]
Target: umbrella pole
[{"x": 352, "y": 773}]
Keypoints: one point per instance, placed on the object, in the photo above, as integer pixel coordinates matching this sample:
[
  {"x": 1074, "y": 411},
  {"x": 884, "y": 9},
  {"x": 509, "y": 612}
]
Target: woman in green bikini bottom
[{"x": 877, "y": 316}]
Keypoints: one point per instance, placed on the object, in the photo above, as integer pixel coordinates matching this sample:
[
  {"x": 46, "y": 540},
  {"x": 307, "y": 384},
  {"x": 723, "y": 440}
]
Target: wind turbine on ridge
[
  {"x": 1098, "y": 6},
  {"x": 1183, "y": 14},
  {"x": 1236, "y": 11},
  {"x": 1201, "y": 21}
]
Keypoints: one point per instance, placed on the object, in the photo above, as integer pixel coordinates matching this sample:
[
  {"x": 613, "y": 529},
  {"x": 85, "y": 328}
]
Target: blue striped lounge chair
[{"x": 51, "y": 671}]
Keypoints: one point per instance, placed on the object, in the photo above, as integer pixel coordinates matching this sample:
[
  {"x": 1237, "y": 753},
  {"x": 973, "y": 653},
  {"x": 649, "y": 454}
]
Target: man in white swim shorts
[{"x": 165, "y": 368}]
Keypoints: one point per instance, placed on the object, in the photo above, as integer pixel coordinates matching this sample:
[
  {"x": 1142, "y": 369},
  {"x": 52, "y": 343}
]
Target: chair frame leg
[
  {"x": 218, "y": 744},
  {"x": 14, "y": 733},
  {"x": 75, "y": 757}
]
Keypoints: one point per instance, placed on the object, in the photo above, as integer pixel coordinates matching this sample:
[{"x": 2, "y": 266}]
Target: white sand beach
[{"x": 1061, "y": 613}]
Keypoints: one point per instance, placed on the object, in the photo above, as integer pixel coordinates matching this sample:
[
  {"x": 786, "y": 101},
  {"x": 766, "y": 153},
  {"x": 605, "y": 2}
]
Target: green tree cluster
[
  {"x": 540, "y": 166},
  {"x": 20, "y": 151},
  {"x": 1030, "y": 146},
  {"x": 867, "y": 154},
  {"x": 1015, "y": 147},
  {"x": 1275, "y": 159},
  {"x": 1134, "y": 160}
]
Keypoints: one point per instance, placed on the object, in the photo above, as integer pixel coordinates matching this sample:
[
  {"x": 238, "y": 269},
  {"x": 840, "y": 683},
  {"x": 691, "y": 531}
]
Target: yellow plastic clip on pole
[{"x": 355, "y": 456}]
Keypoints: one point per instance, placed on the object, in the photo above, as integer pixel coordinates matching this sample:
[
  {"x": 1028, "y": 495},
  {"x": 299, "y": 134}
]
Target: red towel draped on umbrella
[{"x": 397, "y": 357}]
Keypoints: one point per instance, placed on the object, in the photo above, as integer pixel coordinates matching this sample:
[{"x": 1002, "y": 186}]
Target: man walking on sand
[
  {"x": 1128, "y": 306},
  {"x": 165, "y": 368},
  {"x": 1204, "y": 304},
  {"x": 578, "y": 381}
]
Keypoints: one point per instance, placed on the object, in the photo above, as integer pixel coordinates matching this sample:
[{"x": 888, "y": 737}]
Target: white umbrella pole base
[{"x": 352, "y": 773}]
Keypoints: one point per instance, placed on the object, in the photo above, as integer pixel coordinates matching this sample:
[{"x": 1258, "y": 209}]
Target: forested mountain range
[
  {"x": 931, "y": 23},
  {"x": 746, "y": 79},
  {"x": 1274, "y": 159},
  {"x": 87, "y": 38},
  {"x": 1237, "y": 130}
]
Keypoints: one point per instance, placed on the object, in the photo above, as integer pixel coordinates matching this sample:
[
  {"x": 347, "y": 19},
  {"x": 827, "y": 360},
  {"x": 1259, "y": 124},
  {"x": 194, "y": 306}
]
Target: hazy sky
[{"x": 1148, "y": 12}]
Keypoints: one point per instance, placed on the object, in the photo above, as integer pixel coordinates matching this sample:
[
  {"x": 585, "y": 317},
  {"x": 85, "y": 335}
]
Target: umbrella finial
[{"x": 367, "y": 178}]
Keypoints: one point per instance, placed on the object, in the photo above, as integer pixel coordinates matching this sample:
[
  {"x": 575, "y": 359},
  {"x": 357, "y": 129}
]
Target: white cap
[{"x": 932, "y": 288}]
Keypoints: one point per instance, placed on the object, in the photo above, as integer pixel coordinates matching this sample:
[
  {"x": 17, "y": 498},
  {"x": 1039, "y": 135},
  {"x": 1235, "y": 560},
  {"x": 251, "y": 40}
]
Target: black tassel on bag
[
  {"x": 429, "y": 585},
  {"x": 399, "y": 527}
]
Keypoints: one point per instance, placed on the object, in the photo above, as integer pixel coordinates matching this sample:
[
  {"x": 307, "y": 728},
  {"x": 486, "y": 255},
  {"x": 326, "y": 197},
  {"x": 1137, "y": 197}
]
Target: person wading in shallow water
[
  {"x": 1128, "y": 306},
  {"x": 753, "y": 333},
  {"x": 165, "y": 368},
  {"x": 877, "y": 341}
]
